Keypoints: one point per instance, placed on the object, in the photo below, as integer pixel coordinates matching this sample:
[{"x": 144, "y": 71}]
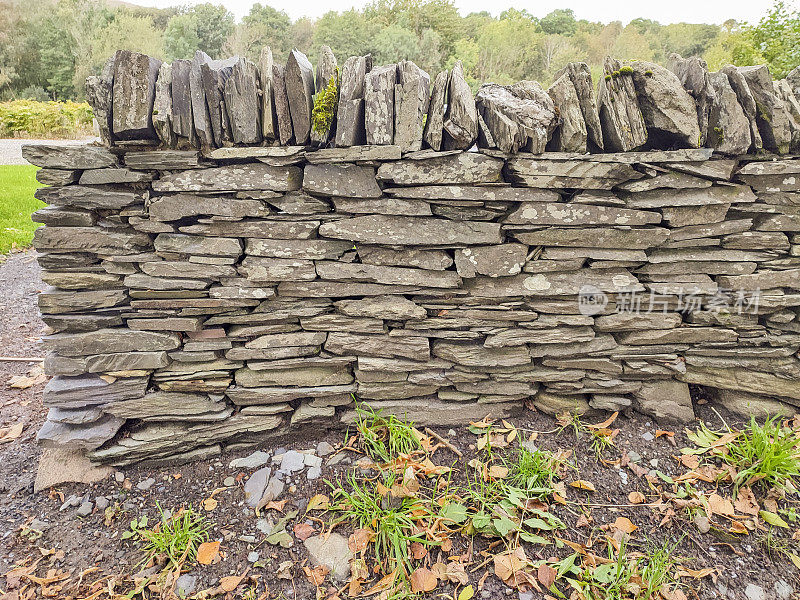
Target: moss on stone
[
  {"x": 626, "y": 70},
  {"x": 325, "y": 103}
]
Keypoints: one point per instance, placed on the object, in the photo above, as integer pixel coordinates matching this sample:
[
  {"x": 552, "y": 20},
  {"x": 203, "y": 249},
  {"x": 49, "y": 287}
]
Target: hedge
[{"x": 20, "y": 118}]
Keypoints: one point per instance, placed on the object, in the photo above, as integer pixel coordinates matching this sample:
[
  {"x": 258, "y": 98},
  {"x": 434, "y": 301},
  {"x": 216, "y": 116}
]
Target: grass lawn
[{"x": 17, "y": 184}]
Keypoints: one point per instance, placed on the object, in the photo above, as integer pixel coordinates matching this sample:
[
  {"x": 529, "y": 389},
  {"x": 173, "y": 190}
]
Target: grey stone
[
  {"x": 166, "y": 406},
  {"x": 581, "y": 77},
  {"x": 84, "y": 437},
  {"x": 435, "y": 260},
  {"x": 395, "y": 308},
  {"x": 415, "y": 348},
  {"x": 85, "y": 509},
  {"x": 324, "y": 449},
  {"x": 255, "y": 485},
  {"x": 452, "y": 169},
  {"x": 53, "y": 301},
  {"x": 185, "y": 585},
  {"x": 146, "y": 484},
  {"x": 57, "y": 176},
  {"x": 297, "y": 249},
  {"x": 200, "y": 114},
  {"x": 746, "y": 101},
  {"x": 748, "y": 404},
  {"x": 162, "y": 107},
  {"x": 566, "y": 213},
  {"x": 333, "y": 270},
  {"x": 461, "y": 118},
  {"x": 720, "y": 195},
  {"x": 162, "y": 159},
  {"x": 332, "y": 552},
  {"x": 555, "y": 404},
  {"x": 320, "y": 375},
  {"x": 354, "y": 154},
  {"x": 254, "y": 228},
  {"x": 189, "y": 244},
  {"x": 119, "y": 175},
  {"x": 383, "y": 206},
  {"x": 133, "y": 95},
  {"x": 99, "y": 95},
  {"x": 77, "y": 416},
  {"x": 584, "y": 174},
  {"x": 570, "y": 135},
  {"x": 729, "y": 129},
  {"x": 620, "y": 117},
  {"x": 379, "y": 86},
  {"x": 56, "y": 156},
  {"x": 252, "y": 461},
  {"x": 278, "y": 340},
  {"x": 494, "y": 261},
  {"x": 669, "y": 112},
  {"x": 412, "y": 231},
  {"x": 434, "y": 412},
  {"x": 181, "y": 102},
  {"x": 91, "y": 197},
  {"x": 285, "y": 134},
  {"x": 291, "y": 461},
  {"x": 350, "y": 112},
  {"x": 53, "y": 216},
  {"x": 665, "y": 401},
  {"x": 215, "y": 75},
  {"x": 243, "y": 104},
  {"x": 771, "y": 115},
  {"x": 89, "y": 239},
  {"x": 411, "y": 101},
  {"x": 179, "y": 206},
  {"x": 352, "y": 181},
  {"x": 693, "y": 74},
  {"x": 269, "y": 126},
  {"x": 472, "y": 355},
  {"x": 611, "y": 237},
  {"x": 299, "y": 82},
  {"x": 260, "y": 269},
  {"x": 232, "y": 178},
  {"x": 553, "y": 284},
  {"x": 755, "y": 592},
  {"x": 101, "y": 502},
  {"x": 110, "y": 341},
  {"x": 783, "y": 589},
  {"x": 434, "y": 122},
  {"x": 518, "y": 117}
]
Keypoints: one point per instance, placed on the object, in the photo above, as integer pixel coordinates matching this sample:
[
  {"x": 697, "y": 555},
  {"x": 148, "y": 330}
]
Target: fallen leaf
[
  {"x": 303, "y": 531},
  {"x": 9, "y": 434},
  {"x": 604, "y": 424},
  {"x": 284, "y": 570},
  {"x": 498, "y": 472},
  {"x": 316, "y": 576},
  {"x": 418, "y": 551},
  {"x": 275, "y": 505},
  {"x": 745, "y": 502},
  {"x": 230, "y": 583},
  {"x": 699, "y": 574},
  {"x": 423, "y": 580},
  {"x": 625, "y": 525},
  {"x": 387, "y": 582},
  {"x": 546, "y": 575},
  {"x": 720, "y": 506},
  {"x": 582, "y": 484},
  {"x": 636, "y": 498},
  {"x": 207, "y": 552},
  {"x": 210, "y": 504},
  {"x": 359, "y": 540},
  {"x": 772, "y": 519},
  {"x": 467, "y": 593},
  {"x": 318, "y": 502}
]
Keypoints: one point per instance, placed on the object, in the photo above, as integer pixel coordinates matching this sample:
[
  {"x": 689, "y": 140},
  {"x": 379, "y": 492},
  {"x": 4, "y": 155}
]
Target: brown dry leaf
[
  {"x": 23, "y": 382},
  {"x": 605, "y": 424},
  {"x": 582, "y": 484},
  {"x": 423, "y": 580},
  {"x": 9, "y": 434},
  {"x": 275, "y": 505},
  {"x": 699, "y": 574},
  {"x": 738, "y": 527},
  {"x": 720, "y": 506},
  {"x": 746, "y": 502},
  {"x": 284, "y": 570},
  {"x": 512, "y": 568},
  {"x": 660, "y": 432},
  {"x": 584, "y": 520},
  {"x": 636, "y": 498},
  {"x": 692, "y": 461},
  {"x": 418, "y": 551},
  {"x": 625, "y": 525},
  {"x": 316, "y": 576},
  {"x": 360, "y": 539},
  {"x": 303, "y": 531},
  {"x": 210, "y": 504},
  {"x": 384, "y": 584},
  {"x": 207, "y": 552},
  {"x": 546, "y": 575},
  {"x": 318, "y": 502},
  {"x": 498, "y": 472},
  {"x": 230, "y": 583}
]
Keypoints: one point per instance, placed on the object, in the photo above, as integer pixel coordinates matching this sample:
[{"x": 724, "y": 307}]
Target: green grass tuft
[
  {"x": 17, "y": 184},
  {"x": 176, "y": 537},
  {"x": 384, "y": 437}
]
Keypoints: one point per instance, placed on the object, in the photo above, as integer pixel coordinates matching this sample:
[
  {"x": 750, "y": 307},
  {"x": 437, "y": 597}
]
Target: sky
[{"x": 663, "y": 11}]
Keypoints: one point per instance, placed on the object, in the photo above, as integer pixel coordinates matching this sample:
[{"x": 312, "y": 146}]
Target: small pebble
[
  {"x": 312, "y": 461},
  {"x": 648, "y": 437},
  {"x": 654, "y": 463},
  {"x": 146, "y": 484},
  {"x": 634, "y": 456},
  {"x": 252, "y": 557},
  {"x": 229, "y": 482},
  {"x": 249, "y": 539},
  {"x": 119, "y": 476},
  {"x": 314, "y": 473},
  {"x": 101, "y": 502},
  {"x": 85, "y": 509},
  {"x": 755, "y": 592},
  {"x": 324, "y": 448}
]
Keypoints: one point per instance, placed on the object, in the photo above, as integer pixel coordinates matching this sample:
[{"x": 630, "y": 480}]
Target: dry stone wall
[{"x": 470, "y": 260}]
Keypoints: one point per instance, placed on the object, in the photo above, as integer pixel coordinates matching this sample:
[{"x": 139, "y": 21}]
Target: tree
[
  {"x": 777, "y": 38},
  {"x": 214, "y": 24},
  {"x": 395, "y": 43},
  {"x": 180, "y": 37},
  {"x": 348, "y": 34},
  {"x": 560, "y": 22}
]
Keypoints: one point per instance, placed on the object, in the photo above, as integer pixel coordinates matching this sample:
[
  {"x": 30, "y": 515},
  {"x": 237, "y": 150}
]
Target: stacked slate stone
[{"x": 209, "y": 297}]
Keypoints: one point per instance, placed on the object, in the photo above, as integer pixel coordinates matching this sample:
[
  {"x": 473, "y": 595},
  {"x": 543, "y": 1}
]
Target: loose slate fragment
[
  {"x": 461, "y": 118},
  {"x": 581, "y": 77},
  {"x": 518, "y": 117},
  {"x": 620, "y": 118},
  {"x": 162, "y": 107},
  {"x": 411, "y": 100},
  {"x": 57, "y": 156},
  {"x": 570, "y": 135},
  {"x": 729, "y": 129},
  {"x": 379, "y": 86},
  {"x": 326, "y": 69},
  {"x": 350, "y": 114},
  {"x": 133, "y": 94},
  {"x": 434, "y": 123},
  {"x": 299, "y": 82},
  {"x": 669, "y": 112},
  {"x": 215, "y": 74},
  {"x": 202, "y": 121},
  {"x": 251, "y": 176},
  {"x": 243, "y": 104},
  {"x": 99, "y": 96},
  {"x": 771, "y": 116},
  {"x": 269, "y": 126},
  {"x": 747, "y": 102},
  {"x": 182, "y": 121}
]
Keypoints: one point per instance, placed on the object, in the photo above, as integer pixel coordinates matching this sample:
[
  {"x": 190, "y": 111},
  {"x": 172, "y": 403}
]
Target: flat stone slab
[
  {"x": 413, "y": 231},
  {"x": 462, "y": 168},
  {"x": 58, "y": 156},
  {"x": 232, "y": 178}
]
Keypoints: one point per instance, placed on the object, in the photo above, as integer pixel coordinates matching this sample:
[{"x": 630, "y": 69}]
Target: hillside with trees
[{"x": 49, "y": 47}]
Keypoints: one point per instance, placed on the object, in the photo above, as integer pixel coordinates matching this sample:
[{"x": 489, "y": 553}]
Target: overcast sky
[{"x": 664, "y": 11}]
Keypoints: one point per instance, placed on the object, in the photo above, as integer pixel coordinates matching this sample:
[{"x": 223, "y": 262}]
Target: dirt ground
[{"x": 80, "y": 550}]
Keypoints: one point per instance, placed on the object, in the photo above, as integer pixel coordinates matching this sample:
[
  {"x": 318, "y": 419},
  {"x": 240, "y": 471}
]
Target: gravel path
[{"x": 11, "y": 149}]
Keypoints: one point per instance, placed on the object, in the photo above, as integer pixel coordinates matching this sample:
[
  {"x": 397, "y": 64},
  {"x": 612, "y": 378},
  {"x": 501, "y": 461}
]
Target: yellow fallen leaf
[
  {"x": 318, "y": 502},
  {"x": 467, "y": 593},
  {"x": 207, "y": 552},
  {"x": 9, "y": 434},
  {"x": 498, "y": 472},
  {"x": 625, "y": 525},
  {"x": 582, "y": 484},
  {"x": 210, "y": 504}
]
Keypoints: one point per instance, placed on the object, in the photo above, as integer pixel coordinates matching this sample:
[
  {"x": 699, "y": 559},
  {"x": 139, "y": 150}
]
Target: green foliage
[
  {"x": 777, "y": 38},
  {"x": 180, "y": 37},
  {"x": 17, "y": 184},
  {"x": 384, "y": 437},
  {"x": 176, "y": 537},
  {"x": 48, "y": 119},
  {"x": 325, "y": 103}
]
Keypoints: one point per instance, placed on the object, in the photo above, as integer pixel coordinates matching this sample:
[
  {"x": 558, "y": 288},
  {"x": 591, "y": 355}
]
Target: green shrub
[
  {"x": 325, "y": 106},
  {"x": 45, "y": 119}
]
